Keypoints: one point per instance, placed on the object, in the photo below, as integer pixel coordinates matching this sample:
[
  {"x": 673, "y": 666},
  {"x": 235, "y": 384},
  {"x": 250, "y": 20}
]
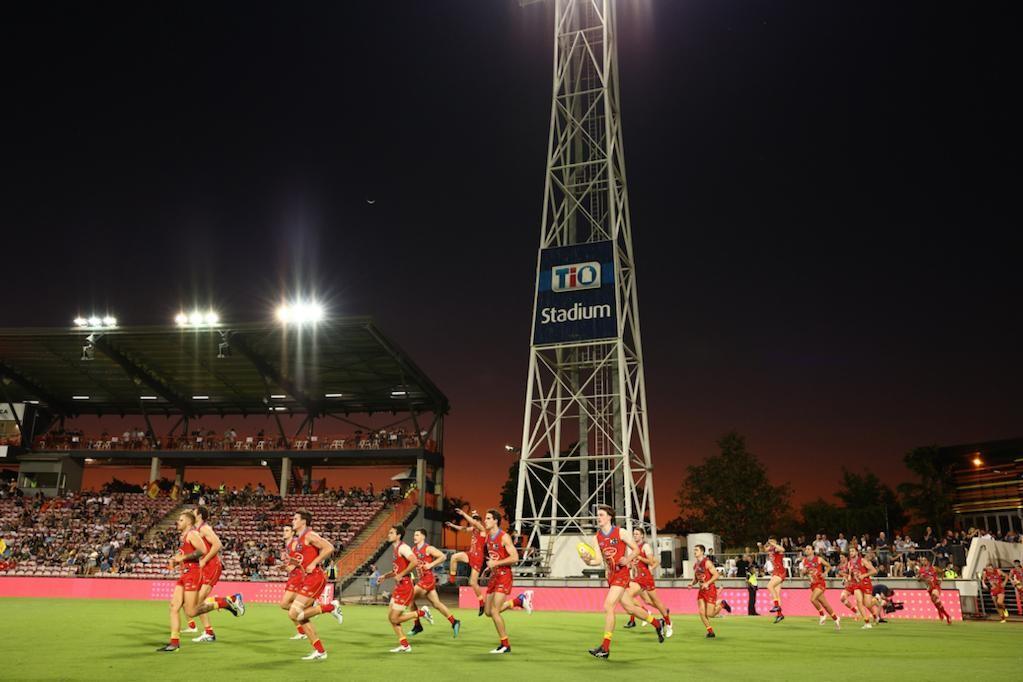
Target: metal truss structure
[{"x": 585, "y": 435}]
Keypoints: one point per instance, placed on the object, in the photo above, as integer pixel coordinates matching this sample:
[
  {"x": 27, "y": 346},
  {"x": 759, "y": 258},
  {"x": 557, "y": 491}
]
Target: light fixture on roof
[
  {"x": 300, "y": 313},
  {"x": 278, "y": 396},
  {"x": 399, "y": 394},
  {"x": 79, "y": 397},
  {"x": 96, "y": 322},
  {"x": 200, "y": 397},
  {"x": 147, "y": 397},
  {"x": 333, "y": 395},
  {"x": 977, "y": 461},
  {"x": 197, "y": 318}
]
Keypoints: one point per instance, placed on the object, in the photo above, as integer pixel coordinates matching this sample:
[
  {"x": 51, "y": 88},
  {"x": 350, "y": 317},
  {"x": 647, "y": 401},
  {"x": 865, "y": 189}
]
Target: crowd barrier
[
  {"x": 128, "y": 588},
  {"x": 795, "y": 601}
]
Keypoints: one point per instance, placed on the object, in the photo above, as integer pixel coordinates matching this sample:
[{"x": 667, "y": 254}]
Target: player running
[
  {"x": 474, "y": 557},
  {"x": 313, "y": 550},
  {"x": 705, "y": 574},
  {"x": 186, "y": 591},
  {"x": 642, "y": 585},
  {"x": 816, "y": 568},
  {"x": 1016, "y": 578},
  {"x": 776, "y": 555},
  {"x": 428, "y": 558},
  {"x": 404, "y": 562},
  {"x": 995, "y": 581},
  {"x": 618, "y": 551},
  {"x": 211, "y": 566},
  {"x": 846, "y": 596},
  {"x": 502, "y": 555},
  {"x": 928, "y": 575},
  {"x": 292, "y": 557},
  {"x": 860, "y": 572}
]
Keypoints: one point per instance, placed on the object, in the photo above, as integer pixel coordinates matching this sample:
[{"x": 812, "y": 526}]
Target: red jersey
[
  {"x": 215, "y": 561},
  {"x": 643, "y": 573},
  {"x": 930, "y": 576},
  {"x": 857, "y": 572},
  {"x": 401, "y": 563},
  {"x": 496, "y": 551},
  {"x": 814, "y": 569},
  {"x": 702, "y": 570},
  {"x": 611, "y": 547},
  {"x": 776, "y": 556},
  {"x": 994, "y": 578},
  {"x": 292, "y": 555},
  {"x": 422, "y": 555},
  {"x": 476, "y": 543},
  {"x": 1016, "y": 575},
  {"x": 307, "y": 552},
  {"x": 187, "y": 548}
]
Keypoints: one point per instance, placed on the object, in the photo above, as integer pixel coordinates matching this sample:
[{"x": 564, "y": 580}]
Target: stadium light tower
[{"x": 585, "y": 438}]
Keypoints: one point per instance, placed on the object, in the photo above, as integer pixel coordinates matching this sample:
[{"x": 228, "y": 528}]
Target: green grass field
[{"x": 113, "y": 640}]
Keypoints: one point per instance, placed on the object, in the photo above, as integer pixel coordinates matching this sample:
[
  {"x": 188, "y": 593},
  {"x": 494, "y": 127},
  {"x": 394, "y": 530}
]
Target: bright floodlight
[
  {"x": 211, "y": 318},
  {"x": 81, "y": 321},
  {"x": 95, "y": 321},
  {"x": 300, "y": 312},
  {"x": 181, "y": 319},
  {"x": 109, "y": 321},
  {"x": 195, "y": 318}
]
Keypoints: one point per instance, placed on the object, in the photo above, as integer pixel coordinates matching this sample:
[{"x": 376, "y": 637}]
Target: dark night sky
[{"x": 822, "y": 199}]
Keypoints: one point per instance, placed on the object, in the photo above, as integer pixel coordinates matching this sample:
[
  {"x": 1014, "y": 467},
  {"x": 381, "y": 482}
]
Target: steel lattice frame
[{"x": 589, "y": 393}]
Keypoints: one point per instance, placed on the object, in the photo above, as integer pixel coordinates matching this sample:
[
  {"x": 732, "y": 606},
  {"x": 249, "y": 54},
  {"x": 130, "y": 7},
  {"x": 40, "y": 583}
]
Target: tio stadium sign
[{"x": 575, "y": 294}]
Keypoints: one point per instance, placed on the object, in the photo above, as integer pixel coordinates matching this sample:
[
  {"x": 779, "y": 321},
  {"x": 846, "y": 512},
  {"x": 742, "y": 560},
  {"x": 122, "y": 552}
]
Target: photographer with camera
[{"x": 884, "y": 602}]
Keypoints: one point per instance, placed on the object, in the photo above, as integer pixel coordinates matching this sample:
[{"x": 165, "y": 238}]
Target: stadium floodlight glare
[
  {"x": 399, "y": 394},
  {"x": 96, "y": 322},
  {"x": 197, "y": 318},
  {"x": 278, "y": 396},
  {"x": 300, "y": 312},
  {"x": 147, "y": 397},
  {"x": 200, "y": 397},
  {"x": 333, "y": 395},
  {"x": 79, "y": 397}
]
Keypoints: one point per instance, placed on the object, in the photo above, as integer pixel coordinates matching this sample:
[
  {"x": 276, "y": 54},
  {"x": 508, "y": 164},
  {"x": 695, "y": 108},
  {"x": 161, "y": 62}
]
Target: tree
[
  {"x": 731, "y": 495},
  {"x": 453, "y": 503},
  {"x": 821, "y": 516},
  {"x": 930, "y": 499},
  {"x": 540, "y": 479},
  {"x": 870, "y": 506}
]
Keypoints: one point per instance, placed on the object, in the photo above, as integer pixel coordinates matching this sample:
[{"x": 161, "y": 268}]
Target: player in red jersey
[
  {"x": 860, "y": 572},
  {"x": 776, "y": 555},
  {"x": 186, "y": 591},
  {"x": 1016, "y": 578},
  {"x": 428, "y": 558},
  {"x": 995, "y": 580},
  {"x": 404, "y": 590},
  {"x": 501, "y": 556},
  {"x": 816, "y": 568},
  {"x": 617, "y": 550},
  {"x": 928, "y": 575},
  {"x": 210, "y": 565},
  {"x": 642, "y": 585},
  {"x": 705, "y": 574},
  {"x": 846, "y": 597},
  {"x": 293, "y": 558},
  {"x": 312, "y": 550},
  {"x": 475, "y": 555}
]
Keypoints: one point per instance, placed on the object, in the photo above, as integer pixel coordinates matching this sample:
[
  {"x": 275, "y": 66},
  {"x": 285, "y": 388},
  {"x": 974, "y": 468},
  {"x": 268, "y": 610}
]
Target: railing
[
  {"x": 370, "y": 545},
  {"x": 241, "y": 443}
]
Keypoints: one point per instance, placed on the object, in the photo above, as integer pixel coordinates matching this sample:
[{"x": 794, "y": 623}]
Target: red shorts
[
  {"x": 403, "y": 592},
  {"x": 313, "y": 584},
  {"x": 934, "y": 586},
  {"x": 500, "y": 582},
  {"x": 211, "y": 573},
  {"x": 818, "y": 585},
  {"x": 294, "y": 581},
  {"x": 780, "y": 573},
  {"x": 191, "y": 577},
  {"x": 619, "y": 577},
  {"x": 645, "y": 583},
  {"x": 864, "y": 586},
  {"x": 708, "y": 594},
  {"x": 427, "y": 582},
  {"x": 995, "y": 591},
  {"x": 476, "y": 562}
]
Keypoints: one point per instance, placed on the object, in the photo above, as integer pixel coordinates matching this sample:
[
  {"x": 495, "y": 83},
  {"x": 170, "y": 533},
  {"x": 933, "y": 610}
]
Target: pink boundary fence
[
  {"x": 795, "y": 601},
  {"x": 128, "y": 588}
]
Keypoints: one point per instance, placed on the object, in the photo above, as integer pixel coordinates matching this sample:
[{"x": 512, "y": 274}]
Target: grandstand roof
[{"x": 340, "y": 366}]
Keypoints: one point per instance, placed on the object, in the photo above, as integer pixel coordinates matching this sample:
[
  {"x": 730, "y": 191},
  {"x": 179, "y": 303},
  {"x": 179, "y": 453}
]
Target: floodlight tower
[{"x": 585, "y": 437}]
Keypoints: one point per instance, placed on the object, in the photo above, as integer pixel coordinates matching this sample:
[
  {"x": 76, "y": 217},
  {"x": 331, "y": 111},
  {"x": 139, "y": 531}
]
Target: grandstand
[{"x": 357, "y": 398}]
